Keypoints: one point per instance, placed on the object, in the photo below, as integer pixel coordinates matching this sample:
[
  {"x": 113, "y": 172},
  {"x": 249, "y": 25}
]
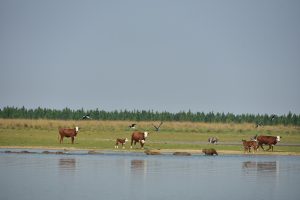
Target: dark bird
[
  {"x": 157, "y": 127},
  {"x": 132, "y": 126},
  {"x": 273, "y": 117},
  {"x": 86, "y": 117},
  {"x": 258, "y": 124},
  {"x": 253, "y": 138}
]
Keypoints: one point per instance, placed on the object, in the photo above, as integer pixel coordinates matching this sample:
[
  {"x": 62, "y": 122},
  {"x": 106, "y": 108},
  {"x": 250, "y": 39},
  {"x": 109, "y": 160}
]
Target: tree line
[{"x": 148, "y": 115}]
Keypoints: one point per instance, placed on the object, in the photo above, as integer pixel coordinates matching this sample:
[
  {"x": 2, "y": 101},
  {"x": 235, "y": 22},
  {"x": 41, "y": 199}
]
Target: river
[{"x": 80, "y": 176}]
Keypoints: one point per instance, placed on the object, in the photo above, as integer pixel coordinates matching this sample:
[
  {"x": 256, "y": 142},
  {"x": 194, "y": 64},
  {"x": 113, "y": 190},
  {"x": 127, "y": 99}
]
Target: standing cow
[
  {"x": 268, "y": 140},
  {"x": 139, "y": 137},
  {"x": 68, "y": 132}
]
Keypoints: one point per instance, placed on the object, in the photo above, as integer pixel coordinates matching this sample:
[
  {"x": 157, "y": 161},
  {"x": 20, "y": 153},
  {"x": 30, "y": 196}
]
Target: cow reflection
[
  {"x": 261, "y": 168},
  {"x": 138, "y": 166},
  {"x": 67, "y": 163}
]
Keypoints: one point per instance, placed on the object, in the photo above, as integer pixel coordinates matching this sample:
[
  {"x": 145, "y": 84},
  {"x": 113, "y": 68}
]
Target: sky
[{"x": 236, "y": 56}]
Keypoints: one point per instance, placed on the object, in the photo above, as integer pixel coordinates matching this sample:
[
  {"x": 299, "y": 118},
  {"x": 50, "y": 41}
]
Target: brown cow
[
  {"x": 120, "y": 141},
  {"x": 249, "y": 144},
  {"x": 210, "y": 151},
  {"x": 268, "y": 140},
  {"x": 139, "y": 137},
  {"x": 68, "y": 132}
]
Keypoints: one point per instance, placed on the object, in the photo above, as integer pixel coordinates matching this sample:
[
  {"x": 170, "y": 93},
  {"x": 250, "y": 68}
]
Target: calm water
[{"x": 138, "y": 176}]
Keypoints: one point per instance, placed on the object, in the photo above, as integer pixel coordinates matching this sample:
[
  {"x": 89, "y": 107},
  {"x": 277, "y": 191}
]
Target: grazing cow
[
  {"x": 268, "y": 140},
  {"x": 68, "y": 132},
  {"x": 139, "y": 137},
  {"x": 209, "y": 152},
  {"x": 248, "y": 145},
  {"x": 120, "y": 141},
  {"x": 213, "y": 140}
]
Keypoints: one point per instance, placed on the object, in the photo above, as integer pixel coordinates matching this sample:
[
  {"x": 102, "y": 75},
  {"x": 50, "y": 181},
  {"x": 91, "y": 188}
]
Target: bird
[
  {"x": 86, "y": 117},
  {"x": 157, "y": 127},
  {"x": 258, "y": 124},
  {"x": 132, "y": 126},
  {"x": 253, "y": 138},
  {"x": 273, "y": 117}
]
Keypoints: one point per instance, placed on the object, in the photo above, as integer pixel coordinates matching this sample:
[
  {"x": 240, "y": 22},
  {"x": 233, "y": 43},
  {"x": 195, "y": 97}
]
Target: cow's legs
[
  {"x": 61, "y": 139},
  {"x": 142, "y": 142},
  {"x": 131, "y": 143},
  {"x": 72, "y": 140},
  {"x": 270, "y": 146},
  {"x": 260, "y": 145}
]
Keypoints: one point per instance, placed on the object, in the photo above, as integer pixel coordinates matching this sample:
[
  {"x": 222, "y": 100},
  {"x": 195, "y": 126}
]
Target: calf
[
  {"x": 249, "y": 144},
  {"x": 68, "y": 132},
  {"x": 268, "y": 140},
  {"x": 139, "y": 137},
  {"x": 120, "y": 141}
]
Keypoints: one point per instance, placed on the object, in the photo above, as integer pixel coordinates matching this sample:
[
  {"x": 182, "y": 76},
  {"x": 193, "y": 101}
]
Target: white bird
[{"x": 86, "y": 117}]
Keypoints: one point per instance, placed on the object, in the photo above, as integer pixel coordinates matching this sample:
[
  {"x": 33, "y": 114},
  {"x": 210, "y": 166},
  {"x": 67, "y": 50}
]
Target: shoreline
[{"x": 157, "y": 151}]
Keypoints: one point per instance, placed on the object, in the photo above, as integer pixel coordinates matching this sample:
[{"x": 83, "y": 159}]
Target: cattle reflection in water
[
  {"x": 261, "y": 167},
  {"x": 139, "y": 166},
  {"x": 67, "y": 163}
]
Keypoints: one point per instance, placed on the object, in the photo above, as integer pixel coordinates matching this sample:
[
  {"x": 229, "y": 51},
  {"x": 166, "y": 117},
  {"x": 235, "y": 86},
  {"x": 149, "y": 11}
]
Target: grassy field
[{"x": 100, "y": 135}]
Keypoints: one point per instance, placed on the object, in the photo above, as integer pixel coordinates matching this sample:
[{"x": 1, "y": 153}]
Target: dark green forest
[{"x": 148, "y": 115}]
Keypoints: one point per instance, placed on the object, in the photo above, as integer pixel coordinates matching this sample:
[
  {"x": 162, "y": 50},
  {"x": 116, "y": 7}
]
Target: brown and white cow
[
  {"x": 250, "y": 144},
  {"x": 268, "y": 140},
  {"x": 120, "y": 141},
  {"x": 68, "y": 132},
  {"x": 140, "y": 137}
]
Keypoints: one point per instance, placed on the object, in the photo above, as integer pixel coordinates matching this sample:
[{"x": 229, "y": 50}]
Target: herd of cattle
[{"x": 140, "y": 137}]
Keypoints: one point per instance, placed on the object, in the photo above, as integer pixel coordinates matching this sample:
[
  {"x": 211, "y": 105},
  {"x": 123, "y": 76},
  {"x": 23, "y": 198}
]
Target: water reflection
[
  {"x": 67, "y": 163},
  {"x": 261, "y": 168},
  {"x": 139, "y": 166},
  {"x": 28, "y": 177}
]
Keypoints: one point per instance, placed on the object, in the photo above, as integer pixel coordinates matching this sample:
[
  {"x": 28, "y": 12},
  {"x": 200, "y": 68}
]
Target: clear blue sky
[{"x": 216, "y": 55}]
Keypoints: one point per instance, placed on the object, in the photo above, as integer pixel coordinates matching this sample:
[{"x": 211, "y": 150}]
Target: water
[{"x": 138, "y": 176}]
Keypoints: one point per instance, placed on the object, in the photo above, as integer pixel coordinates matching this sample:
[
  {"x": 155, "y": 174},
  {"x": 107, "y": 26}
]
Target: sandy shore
[{"x": 160, "y": 151}]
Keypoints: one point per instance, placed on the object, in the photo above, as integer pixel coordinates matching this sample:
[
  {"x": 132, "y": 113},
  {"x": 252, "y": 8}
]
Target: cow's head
[
  {"x": 126, "y": 139},
  {"x": 278, "y": 138},
  {"x": 145, "y": 134},
  {"x": 76, "y": 129}
]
